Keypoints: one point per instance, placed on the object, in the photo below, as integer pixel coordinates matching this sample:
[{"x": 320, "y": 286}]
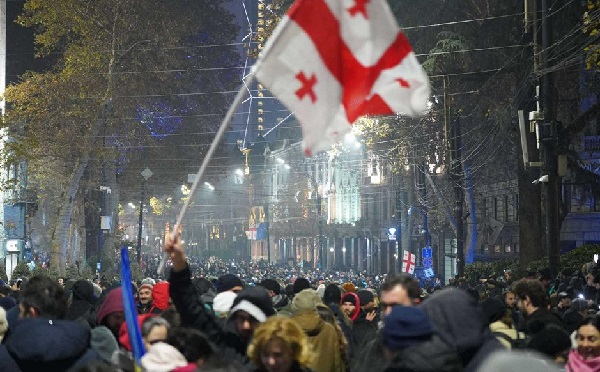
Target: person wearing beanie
[
  {"x": 103, "y": 342},
  {"x": 327, "y": 350},
  {"x": 350, "y": 304},
  {"x": 501, "y": 324},
  {"x": 301, "y": 284},
  {"x": 278, "y": 299},
  {"x": 42, "y": 340},
  {"x": 229, "y": 282},
  {"x": 365, "y": 324},
  {"x": 552, "y": 341},
  {"x": 145, "y": 298},
  {"x": 222, "y": 303},
  {"x": 411, "y": 343},
  {"x": 232, "y": 336},
  {"x": 575, "y": 314},
  {"x": 82, "y": 304},
  {"x": 349, "y": 287}
]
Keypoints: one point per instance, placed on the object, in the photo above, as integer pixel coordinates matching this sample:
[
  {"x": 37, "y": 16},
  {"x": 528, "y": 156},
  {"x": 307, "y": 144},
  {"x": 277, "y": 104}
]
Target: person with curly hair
[{"x": 280, "y": 345}]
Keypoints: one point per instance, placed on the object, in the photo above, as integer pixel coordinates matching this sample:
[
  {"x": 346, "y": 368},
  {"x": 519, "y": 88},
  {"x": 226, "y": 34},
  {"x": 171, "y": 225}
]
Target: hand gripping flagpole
[{"x": 224, "y": 125}]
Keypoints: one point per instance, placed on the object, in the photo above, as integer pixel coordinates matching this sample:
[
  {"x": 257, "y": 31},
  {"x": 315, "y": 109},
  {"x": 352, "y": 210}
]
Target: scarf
[{"x": 576, "y": 363}]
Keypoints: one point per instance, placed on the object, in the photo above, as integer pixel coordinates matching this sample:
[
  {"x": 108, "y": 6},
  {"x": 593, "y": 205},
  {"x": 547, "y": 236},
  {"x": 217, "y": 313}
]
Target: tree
[
  {"x": 122, "y": 80},
  {"x": 21, "y": 271}
]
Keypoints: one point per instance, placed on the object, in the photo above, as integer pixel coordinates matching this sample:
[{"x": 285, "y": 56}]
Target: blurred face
[
  {"x": 276, "y": 356},
  {"x": 396, "y": 296},
  {"x": 590, "y": 281},
  {"x": 61, "y": 281},
  {"x": 348, "y": 308},
  {"x": 509, "y": 300},
  {"x": 114, "y": 320},
  {"x": 588, "y": 341},
  {"x": 145, "y": 296},
  {"x": 565, "y": 302},
  {"x": 157, "y": 333},
  {"x": 245, "y": 324}
]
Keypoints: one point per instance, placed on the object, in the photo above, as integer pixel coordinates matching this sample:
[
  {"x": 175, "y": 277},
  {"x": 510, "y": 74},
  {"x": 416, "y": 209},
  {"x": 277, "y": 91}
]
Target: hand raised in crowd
[
  {"x": 174, "y": 249},
  {"x": 371, "y": 315}
]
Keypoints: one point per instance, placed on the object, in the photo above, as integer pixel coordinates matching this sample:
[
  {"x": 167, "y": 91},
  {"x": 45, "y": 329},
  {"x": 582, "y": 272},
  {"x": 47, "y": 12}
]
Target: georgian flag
[
  {"x": 333, "y": 61},
  {"x": 408, "y": 262}
]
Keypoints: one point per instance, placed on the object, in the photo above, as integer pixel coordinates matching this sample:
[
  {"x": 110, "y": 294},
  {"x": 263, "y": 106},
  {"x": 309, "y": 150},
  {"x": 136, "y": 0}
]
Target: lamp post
[{"x": 147, "y": 173}]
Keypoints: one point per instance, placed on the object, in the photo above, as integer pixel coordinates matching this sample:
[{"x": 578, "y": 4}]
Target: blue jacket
[{"x": 36, "y": 344}]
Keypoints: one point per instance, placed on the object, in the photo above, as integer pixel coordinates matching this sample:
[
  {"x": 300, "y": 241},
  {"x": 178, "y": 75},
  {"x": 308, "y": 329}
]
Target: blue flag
[{"x": 131, "y": 316}]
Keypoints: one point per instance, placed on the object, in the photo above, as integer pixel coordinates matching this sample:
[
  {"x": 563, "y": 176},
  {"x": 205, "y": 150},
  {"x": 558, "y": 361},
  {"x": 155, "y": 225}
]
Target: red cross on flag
[
  {"x": 333, "y": 61},
  {"x": 408, "y": 262}
]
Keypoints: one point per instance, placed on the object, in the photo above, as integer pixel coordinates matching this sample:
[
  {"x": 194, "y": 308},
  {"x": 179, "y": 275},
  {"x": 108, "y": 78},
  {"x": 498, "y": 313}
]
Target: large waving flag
[
  {"x": 131, "y": 318},
  {"x": 333, "y": 61}
]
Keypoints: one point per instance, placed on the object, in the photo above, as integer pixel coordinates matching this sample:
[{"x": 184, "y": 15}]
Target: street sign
[
  {"x": 429, "y": 272},
  {"x": 427, "y": 252},
  {"x": 427, "y": 262}
]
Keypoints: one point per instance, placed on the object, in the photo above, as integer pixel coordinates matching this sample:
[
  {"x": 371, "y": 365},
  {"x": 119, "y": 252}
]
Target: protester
[
  {"x": 586, "y": 358},
  {"x": 459, "y": 320},
  {"x": 42, "y": 340},
  {"x": 398, "y": 289},
  {"x": 145, "y": 296},
  {"x": 280, "y": 345},
  {"x": 327, "y": 350},
  {"x": 251, "y": 307}
]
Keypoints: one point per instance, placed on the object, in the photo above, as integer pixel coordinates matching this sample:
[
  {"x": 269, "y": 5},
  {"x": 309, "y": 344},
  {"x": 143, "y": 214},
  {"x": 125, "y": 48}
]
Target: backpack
[{"x": 518, "y": 343}]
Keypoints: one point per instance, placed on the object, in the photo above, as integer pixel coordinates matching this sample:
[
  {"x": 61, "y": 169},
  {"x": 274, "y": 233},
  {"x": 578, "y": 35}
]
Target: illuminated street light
[
  {"x": 286, "y": 166},
  {"x": 210, "y": 187},
  {"x": 239, "y": 172},
  {"x": 280, "y": 161},
  {"x": 131, "y": 205}
]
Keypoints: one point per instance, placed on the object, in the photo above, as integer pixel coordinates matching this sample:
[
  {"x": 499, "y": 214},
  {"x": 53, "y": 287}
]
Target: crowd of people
[{"x": 227, "y": 316}]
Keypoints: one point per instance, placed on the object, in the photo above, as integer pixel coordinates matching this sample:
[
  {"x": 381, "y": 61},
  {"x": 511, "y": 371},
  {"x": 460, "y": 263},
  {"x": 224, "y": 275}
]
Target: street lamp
[
  {"x": 210, "y": 187},
  {"x": 146, "y": 174}
]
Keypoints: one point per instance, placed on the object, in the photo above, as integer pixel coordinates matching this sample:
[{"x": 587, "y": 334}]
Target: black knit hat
[
  {"x": 271, "y": 285},
  {"x": 551, "y": 340},
  {"x": 227, "y": 282},
  {"x": 332, "y": 294},
  {"x": 365, "y": 296},
  {"x": 300, "y": 284},
  {"x": 348, "y": 297},
  {"x": 494, "y": 309},
  {"x": 255, "y": 301}
]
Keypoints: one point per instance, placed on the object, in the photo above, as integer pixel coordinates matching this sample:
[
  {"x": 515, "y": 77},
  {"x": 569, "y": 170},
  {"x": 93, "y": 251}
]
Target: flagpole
[{"x": 213, "y": 146}]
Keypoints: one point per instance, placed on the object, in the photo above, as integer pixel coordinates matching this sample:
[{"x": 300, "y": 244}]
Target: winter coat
[
  {"x": 540, "y": 318},
  {"x": 370, "y": 358},
  {"x": 37, "y": 344},
  {"x": 160, "y": 298},
  {"x": 499, "y": 327},
  {"x": 194, "y": 314},
  {"x": 82, "y": 304},
  {"x": 295, "y": 368},
  {"x": 324, "y": 340},
  {"x": 460, "y": 322},
  {"x": 364, "y": 330},
  {"x": 433, "y": 355}
]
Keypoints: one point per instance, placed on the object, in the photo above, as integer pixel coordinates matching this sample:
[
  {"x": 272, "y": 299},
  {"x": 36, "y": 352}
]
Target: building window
[
  {"x": 516, "y": 247},
  {"x": 496, "y": 248},
  {"x": 507, "y": 248},
  {"x": 507, "y": 209},
  {"x": 516, "y": 198}
]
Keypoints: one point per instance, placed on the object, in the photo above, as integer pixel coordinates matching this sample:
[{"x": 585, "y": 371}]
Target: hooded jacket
[
  {"x": 82, "y": 306},
  {"x": 356, "y": 304},
  {"x": 37, "y": 344},
  {"x": 432, "y": 355},
  {"x": 460, "y": 322},
  {"x": 160, "y": 298},
  {"x": 113, "y": 302},
  {"x": 324, "y": 340}
]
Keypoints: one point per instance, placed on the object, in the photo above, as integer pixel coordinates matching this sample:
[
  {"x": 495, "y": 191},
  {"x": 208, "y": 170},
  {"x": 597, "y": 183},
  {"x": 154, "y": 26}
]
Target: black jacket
[
  {"x": 370, "y": 358},
  {"x": 433, "y": 355},
  {"x": 539, "y": 319},
  {"x": 46, "y": 345},
  {"x": 194, "y": 314},
  {"x": 364, "y": 330},
  {"x": 459, "y": 320}
]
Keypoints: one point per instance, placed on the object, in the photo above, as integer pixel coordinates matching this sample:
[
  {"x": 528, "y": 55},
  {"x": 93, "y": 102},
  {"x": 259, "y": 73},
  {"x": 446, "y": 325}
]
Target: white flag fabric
[
  {"x": 333, "y": 61},
  {"x": 408, "y": 262}
]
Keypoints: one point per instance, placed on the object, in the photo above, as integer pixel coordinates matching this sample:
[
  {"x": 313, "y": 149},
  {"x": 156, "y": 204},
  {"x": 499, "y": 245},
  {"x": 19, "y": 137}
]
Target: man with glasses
[{"x": 397, "y": 289}]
